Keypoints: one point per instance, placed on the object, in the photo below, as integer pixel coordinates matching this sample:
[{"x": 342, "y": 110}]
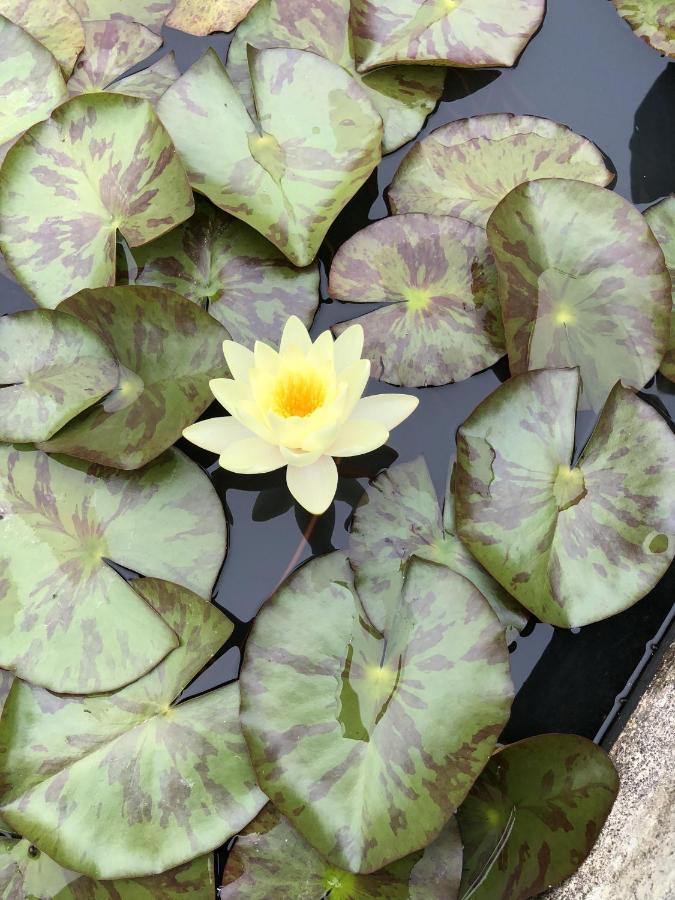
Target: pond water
[{"x": 584, "y": 69}]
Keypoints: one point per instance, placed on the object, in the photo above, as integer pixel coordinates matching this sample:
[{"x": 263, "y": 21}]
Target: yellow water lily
[{"x": 299, "y": 407}]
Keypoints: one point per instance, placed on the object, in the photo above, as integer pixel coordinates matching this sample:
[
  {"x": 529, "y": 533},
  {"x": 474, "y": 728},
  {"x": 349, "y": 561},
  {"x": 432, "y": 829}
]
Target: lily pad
[
  {"x": 573, "y": 543},
  {"x": 171, "y": 781},
  {"x": 102, "y": 162},
  {"x": 399, "y": 518},
  {"x": 661, "y": 219},
  {"x": 51, "y": 368},
  {"x": 287, "y": 176},
  {"x": 403, "y": 95},
  {"x": 150, "y": 13},
  {"x": 465, "y": 168},
  {"x": 25, "y": 872},
  {"x": 437, "y": 276},
  {"x": 68, "y": 621},
  {"x": 270, "y": 859},
  {"x": 111, "y": 49},
  {"x": 150, "y": 83},
  {"x": 651, "y": 20},
  {"x": 244, "y": 281},
  {"x": 533, "y": 816},
  {"x": 469, "y": 33},
  {"x": 582, "y": 282},
  {"x": 53, "y": 23},
  {"x": 342, "y": 720},
  {"x": 168, "y": 350},
  {"x": 31, "y": 84},
  {"x": 206, "y": 16},
  {"x": 6, "y": 679}
]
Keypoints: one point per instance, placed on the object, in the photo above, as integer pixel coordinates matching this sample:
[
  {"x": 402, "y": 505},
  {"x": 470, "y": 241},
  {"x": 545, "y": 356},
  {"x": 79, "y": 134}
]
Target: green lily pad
[
  {"x": 533, "y": 816},
  {"x": 437, "y": 276},
  {"x": 171, "y": 781},
  {"x": 465, "y": 168},
  {"x": 68, "y": 621},
  {"x": 25, "y": 872},
  {"x": 6, "y": 679},
  {"x": 287, "y": 176},
  {"x": 457, "y": 32},
  {"x": 582, "y": 282},
  {"x": 206, "y": 16},
  {"x": 342, "y": 721},
  {"x": 399, "y": 518},
  {"x": 403, "y": 95},
  {"x": 168, "y": 350},
  {"x": 573, "y": 544},
  {"x": 31, "y": 84},
  {"x": 102, "y": 162},
  {"x": 246, "y": 283},
  {"x": 111, "y": 48},
  {"x": 651, "y": 20},
  {"x": 51, "y": 368},
  {"x": 661, "y": 220},
  {"x": 150, "y": 83},
  {"x": 53, "y": 23},
  {"x": 270, "y": 859},
  {"x": 150, "y": 13}
]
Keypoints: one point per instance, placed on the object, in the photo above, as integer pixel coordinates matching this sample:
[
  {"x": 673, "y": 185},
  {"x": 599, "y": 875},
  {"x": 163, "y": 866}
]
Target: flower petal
[
  {"x": 348, "y": 347},
  {"x": 216, "y": 434},
  {"x": 265, "y": 357},
  {"x": 295, "y": 335},
  {"x": 387, "y": 409},
  {"x": 229, "y": 393},
  {"x": 314, "y": 486},
  {"x": 356, "y": 378},
  {"x": 359, "y": 436},
  {"x": 238, "y": 358},
  {"x": 322, "y": 350},
  {"x": 300, "y": 458},
  {"x": 252, "y": 456}
]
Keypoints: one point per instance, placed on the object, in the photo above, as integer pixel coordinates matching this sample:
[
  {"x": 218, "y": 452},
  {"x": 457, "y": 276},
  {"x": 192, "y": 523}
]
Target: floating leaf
[
  {"x": 661, "y": 219},
  {"x": 31, "y": 84},
  {"x": 457, "y": 32},
  {"x": 400, "y": 518},
  {"x": 651, "y": 20},
  {"x": 168, "y": 350},
  {"x": 151, "y": 83},
  {"x": 206, "y": 16},
  {"x": 285, "y": 175},
  {"x": 51, "y": 368},
  {"x": 68, "y": 620},
  {"x": 6, "y": 679},
  {"x": 465, "y": 168},
  {"x": 102, "y": 162},
  {"x": 533, "y": 816},
  {"x": 403, "y": 95},
  {"x": 170, "y": 781},
  {"x": 249, "y": 286},
  {"x": 582, "y": 282},
  {"x": 573, "y": 545},
  {"x": 30, "y": 874},
  {"x": 342, "y": 722},
  {"x": 150, "y": 13},
  {"x": 53, "y": 23},
  {"x": 110, "y": 50},
  {"x": 437, "y": 276},
  {"x": 270, "y": 859}
]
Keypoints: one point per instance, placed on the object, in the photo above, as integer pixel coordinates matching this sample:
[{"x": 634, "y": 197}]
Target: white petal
[
  {"x": 251, "y": 456},
  {"x": 359, "y": 436},
  {"x": 216, "y": 434},
  {"x": 295, "y": 335},
  {"x": 265, "y": 357},
  {"x": 348, "y": 347},
  {"x": 229, "y": 393},
  {"x": 300, "y": 458},
  {"x": 314, "y": 486},
  {"x": 356, "y": 377},
  {"x": 238, "y": 358},
  {"x": 387, "y": 409},
  {"x": 322, "y": 350}
]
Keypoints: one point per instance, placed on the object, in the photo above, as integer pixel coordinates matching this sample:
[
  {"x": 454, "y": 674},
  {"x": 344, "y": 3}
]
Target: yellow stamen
[{"x": 298, "y": 393}]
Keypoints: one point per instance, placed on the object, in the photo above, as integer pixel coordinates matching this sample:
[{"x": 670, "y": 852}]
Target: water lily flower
[{"x": 299, "y": 407}]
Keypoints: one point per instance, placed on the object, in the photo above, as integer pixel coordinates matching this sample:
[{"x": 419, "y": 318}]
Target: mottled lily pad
[
  {"x": 661, "y": 219},
  {"x": 168, "y": 350},
  {"x": 287, "y": 176},
  {"x": 206, "y": 16},
  {"x": 245, "y": 282},
  {"x": 150, "y": 83},
  {"x": 437, "y": 276},
  {"x": 582, "y": 282},
  {"x": 150, "y": 13},
  {"x": 403, "y": 95},
  {"x": 533, "y": 816},
  {"x": 102, "y": 162},
  {"x": 399, "y": 518},
  {"x": 68, "y": 621},
  {"x": 53, "y": 23},
  {"x": 171, "y": 781},
  {"x": 110, "y": 50},
  {"x": 25, "y": 874},
  {"x": 51, "y": 368},
  {"x": 469, "y": 33},
  {"x": 31, "y": 83},
  {"x": 651, "y": 20},
  {"x": 270, "y": 859},
  {"x": 377, "y": 773},
  {"x": 465, "y": 168},
  {"x": 6, "y": 679},
  {"x": 573, "y": 543}
]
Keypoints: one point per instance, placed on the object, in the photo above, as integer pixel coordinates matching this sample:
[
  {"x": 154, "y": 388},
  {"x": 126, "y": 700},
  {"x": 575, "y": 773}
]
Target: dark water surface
[{"x": 587, "y": 70}]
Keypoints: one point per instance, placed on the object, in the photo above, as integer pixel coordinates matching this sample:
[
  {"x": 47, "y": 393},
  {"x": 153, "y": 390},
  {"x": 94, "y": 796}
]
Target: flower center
[{"x": 298, "y": 394}]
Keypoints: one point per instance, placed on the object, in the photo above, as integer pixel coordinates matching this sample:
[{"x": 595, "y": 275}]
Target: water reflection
[{"x": 652, "y": 146}]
